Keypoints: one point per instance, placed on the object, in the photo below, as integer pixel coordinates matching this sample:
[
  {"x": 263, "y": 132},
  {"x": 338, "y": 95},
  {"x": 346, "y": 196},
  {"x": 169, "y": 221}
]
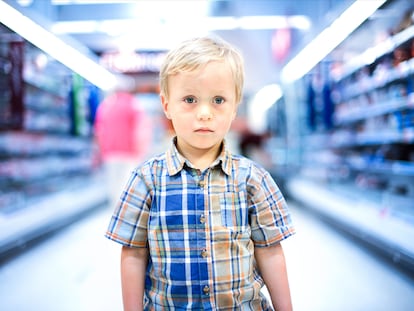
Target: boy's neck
[{"x": 201, "y": 159}]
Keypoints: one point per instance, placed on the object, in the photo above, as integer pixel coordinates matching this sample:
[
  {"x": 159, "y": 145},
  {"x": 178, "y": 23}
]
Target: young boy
[{"x": 200, "y": 226}]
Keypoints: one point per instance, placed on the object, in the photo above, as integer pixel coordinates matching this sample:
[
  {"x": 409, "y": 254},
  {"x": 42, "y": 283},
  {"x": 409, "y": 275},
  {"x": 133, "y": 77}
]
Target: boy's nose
[{"x": 204, "y": 112}]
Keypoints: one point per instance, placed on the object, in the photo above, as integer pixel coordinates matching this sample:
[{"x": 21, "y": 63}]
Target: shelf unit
[
  {"x": 350, "y": 127},
  {"x": 46, "y": 139},
  {"x": 371, "y": 140}
]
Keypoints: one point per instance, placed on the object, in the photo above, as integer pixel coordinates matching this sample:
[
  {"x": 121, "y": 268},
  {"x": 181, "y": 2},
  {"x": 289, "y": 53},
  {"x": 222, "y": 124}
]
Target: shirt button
[
  {"x": 206, "y": 290},
  {"x": 204, "y": 253},
  {"x": 202, "y": 219}
]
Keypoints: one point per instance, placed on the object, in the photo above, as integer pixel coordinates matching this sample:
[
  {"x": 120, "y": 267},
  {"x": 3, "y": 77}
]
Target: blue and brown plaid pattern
[{"x": 201, "y": 229}]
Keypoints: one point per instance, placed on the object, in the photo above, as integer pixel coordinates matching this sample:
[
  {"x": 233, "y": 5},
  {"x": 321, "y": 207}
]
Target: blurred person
[
  {"x": 252, "y": 145},
  {"x": 123, "y": 138},
  {"x": 200, "y": 227}
]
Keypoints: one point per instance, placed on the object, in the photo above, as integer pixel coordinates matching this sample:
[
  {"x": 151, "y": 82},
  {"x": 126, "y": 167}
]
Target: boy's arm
[
  {"x": 133, "y": 268},
  {"x": 272, "y": 266}
]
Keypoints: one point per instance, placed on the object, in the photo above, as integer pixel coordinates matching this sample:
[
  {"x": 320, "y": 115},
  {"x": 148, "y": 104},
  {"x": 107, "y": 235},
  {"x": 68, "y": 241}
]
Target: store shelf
[
  {"x": 373, "y": 53},
  {"x": 33, "y": 144},
  {"x": 53, "y": 211},
  {"x": 384, "y": 167},
  {"x": 46, "y": 139},
  {"x": 383, "y": 137},
  {"x": 359, "y": 216},
  {"x": 29, "y": 170},
  {"x": 356, "y": 165},
  {"x": 349, "y": 140},
  {"x": 383, "y": 107},
  {"x": 378, "y": 81},
  {"x": 346, "y": 139},
  {"x": 52, "y": 82}
]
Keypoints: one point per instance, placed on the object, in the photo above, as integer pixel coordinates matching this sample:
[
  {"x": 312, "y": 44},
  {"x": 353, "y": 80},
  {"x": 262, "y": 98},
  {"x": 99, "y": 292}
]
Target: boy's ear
[{"x": 164, "y": 103}]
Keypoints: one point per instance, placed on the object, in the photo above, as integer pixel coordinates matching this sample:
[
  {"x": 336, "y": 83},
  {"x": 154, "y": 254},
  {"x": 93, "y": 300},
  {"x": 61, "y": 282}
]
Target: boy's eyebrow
[{"x": 215, "y": 92}]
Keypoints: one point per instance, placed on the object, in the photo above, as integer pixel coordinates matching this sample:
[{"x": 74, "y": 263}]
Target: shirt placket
[{"x": 203, "y": 240}]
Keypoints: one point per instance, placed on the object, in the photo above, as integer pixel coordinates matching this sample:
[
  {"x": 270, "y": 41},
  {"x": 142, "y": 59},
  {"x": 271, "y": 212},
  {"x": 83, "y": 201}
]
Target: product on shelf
[
  {"x": 40, "y": 153},
  {"x": 370, "y": 146}
]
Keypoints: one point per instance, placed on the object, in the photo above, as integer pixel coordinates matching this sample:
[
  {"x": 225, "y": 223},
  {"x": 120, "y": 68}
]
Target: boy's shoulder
[
  {"x": 245, "y": 161},
  {"x": 158, "y": 160},
  {"x": 251, "y": 167}
]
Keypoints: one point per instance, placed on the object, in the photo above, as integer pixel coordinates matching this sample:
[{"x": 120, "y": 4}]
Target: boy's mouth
[{"x": 203, "y": 130}]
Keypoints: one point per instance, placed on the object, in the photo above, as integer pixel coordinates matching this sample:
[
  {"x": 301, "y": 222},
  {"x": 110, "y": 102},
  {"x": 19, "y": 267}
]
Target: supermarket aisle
[{"x": 77, "y": 270}]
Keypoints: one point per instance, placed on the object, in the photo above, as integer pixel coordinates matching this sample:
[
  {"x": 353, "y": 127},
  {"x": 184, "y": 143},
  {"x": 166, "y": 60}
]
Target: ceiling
[{"x": 108, "y": 26}]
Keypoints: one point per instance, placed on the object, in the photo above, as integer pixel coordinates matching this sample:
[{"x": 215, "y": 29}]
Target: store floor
[{"x": 77, "y": 269}]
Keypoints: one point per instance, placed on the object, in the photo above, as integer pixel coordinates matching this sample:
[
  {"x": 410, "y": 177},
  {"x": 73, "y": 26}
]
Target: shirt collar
[{"x": 176, "y": 162}]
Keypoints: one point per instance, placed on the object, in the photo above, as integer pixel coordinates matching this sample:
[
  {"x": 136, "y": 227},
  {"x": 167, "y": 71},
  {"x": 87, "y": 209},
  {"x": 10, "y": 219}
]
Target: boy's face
[{"x": 201, "y": 105}]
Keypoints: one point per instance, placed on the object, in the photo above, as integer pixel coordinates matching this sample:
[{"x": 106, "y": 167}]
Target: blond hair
[{"x": 194, "y": 53}]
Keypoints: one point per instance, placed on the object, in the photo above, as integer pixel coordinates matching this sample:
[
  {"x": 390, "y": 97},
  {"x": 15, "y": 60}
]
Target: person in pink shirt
[{"x": 122, "y": 134}]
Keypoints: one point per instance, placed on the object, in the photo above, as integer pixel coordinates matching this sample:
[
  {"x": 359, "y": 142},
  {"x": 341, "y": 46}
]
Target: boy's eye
[
  {"x": 190, "y": 100},
  {"x": 218, "y": 100}
]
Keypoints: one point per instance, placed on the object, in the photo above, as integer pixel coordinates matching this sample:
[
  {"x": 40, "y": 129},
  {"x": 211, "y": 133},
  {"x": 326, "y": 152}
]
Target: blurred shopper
[
  {"x": 252, "y": 146},
  {"x": 201, "y": 227},
  {"x": 123, "y": 139}
]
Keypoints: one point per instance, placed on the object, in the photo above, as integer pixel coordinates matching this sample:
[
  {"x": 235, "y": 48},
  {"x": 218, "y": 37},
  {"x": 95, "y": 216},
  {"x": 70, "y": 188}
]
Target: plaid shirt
[{"x": 201, "y": 229}]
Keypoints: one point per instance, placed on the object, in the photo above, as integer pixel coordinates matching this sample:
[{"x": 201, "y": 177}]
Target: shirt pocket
[{"x": 233, "y": 211}]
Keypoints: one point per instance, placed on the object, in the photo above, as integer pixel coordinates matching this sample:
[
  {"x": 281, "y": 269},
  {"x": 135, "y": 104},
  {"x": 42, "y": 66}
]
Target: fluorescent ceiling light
[
  {"x": 71, "y": 2},
  {"x": 205, "y": 23},
  {"x": 169, "y": 13},
  {"x": 25, "y": 2},
  {"x": 171, "y": 30},
  {"x": 265, "y": 98},
  {"x": 274, "y": 22},
  {"x": 221, "y": 23},
  {"x": 329, "y": 39},
  {"x": 164, "y": 9},
  {"x": 56, "y": 47}
]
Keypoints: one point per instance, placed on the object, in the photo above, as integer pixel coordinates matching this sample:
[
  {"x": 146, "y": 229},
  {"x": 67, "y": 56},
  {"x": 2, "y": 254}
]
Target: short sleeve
[
  {"x": 128, "y": 225},
  {"x": 270, "y": 219}
]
